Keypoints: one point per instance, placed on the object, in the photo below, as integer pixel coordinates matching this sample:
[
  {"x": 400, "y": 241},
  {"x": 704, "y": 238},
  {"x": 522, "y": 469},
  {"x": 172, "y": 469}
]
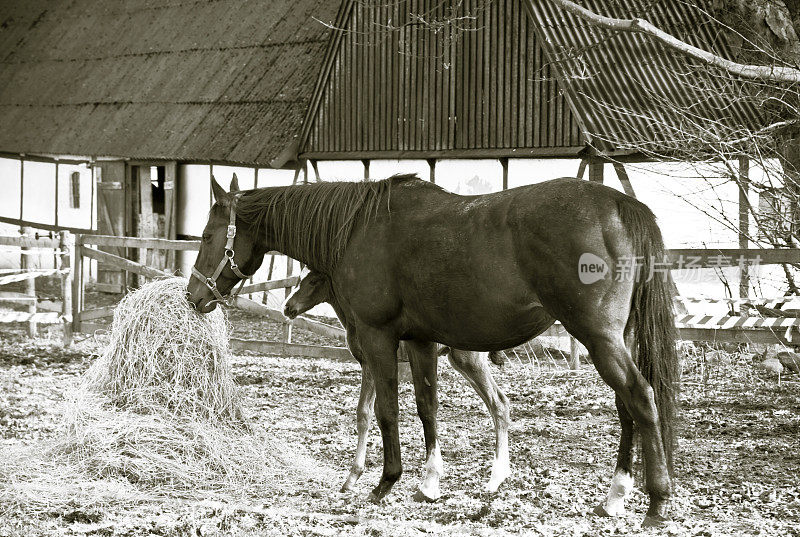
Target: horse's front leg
[
  {"x": 473, "y": 366},
  {"x": 366, "y": 402},
  {"x": 379, "y": 351},
  {"x": 423, "y": 360}
]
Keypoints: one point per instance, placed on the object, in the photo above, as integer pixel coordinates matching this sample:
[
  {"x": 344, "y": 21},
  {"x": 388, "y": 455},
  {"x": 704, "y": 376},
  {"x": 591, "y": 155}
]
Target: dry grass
[
  {"x": 158, "y": 414},
  {"x": 163, "y": 356}
]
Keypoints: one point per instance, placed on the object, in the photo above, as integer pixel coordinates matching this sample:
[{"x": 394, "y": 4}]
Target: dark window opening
[{"x": 157, "y": 181}]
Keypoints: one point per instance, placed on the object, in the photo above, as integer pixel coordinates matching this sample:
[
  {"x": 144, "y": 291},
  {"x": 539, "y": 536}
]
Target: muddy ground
[{"x": 738, "y": 467}]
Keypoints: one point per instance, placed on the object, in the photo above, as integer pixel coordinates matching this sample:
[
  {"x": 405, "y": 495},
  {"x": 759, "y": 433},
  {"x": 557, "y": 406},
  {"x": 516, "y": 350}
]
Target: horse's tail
[{"x": 651, "y": 317}]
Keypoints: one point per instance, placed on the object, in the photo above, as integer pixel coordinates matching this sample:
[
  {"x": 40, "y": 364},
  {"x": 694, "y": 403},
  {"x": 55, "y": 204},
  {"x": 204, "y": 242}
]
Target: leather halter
[{"x": 227, "y": 259}]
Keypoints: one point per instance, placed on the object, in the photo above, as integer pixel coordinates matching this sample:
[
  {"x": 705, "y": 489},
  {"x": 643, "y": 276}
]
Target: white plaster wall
[
  {"x": 83, "y": 216},
  {"x": 193, "y": 189},
  {"x": 38, "y": 189},
  {"x": 531, "y": 171},
  {"x": 9, "y": 206},
  {"x": 381, "y": 169},
  {"x": 470, "y": 177},
  {"x": 224, "y": 175},
  {"x": 339, "y": 170},
  {"x": 269, "y": 177},
  {"x": 38, "y": 196}
]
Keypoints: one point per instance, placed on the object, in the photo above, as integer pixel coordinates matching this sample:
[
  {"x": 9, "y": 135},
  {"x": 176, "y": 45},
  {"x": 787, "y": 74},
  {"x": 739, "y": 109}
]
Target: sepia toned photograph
[{"x": 391, "y": 268}]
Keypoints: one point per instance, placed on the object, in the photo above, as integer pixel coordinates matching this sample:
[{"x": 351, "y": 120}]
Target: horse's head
[
  {"x": 314, "y": 289},
  {"x": 228, "y": 253}
]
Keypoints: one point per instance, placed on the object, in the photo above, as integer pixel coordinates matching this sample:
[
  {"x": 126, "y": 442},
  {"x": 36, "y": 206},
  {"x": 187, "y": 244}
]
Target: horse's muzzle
[{"x": 200, "y": 298}]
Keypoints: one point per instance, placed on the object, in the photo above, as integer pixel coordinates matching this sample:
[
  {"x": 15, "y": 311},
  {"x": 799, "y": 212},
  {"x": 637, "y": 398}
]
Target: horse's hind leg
[
  {"x": 366, "y": 402},
  {"x": 622, "y": 482},
  {"x": 423, "y": 360},
  {"x": 613, "y": 361},
  {"x": 474, "y": 367}
]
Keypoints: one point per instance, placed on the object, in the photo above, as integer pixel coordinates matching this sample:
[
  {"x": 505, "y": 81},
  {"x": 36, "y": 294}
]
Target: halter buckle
[{"x": 231, "y": 231}]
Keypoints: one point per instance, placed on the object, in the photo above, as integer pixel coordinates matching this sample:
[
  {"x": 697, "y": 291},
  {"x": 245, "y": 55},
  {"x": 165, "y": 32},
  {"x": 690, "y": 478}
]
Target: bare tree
[{"x": 763, "y": 74}]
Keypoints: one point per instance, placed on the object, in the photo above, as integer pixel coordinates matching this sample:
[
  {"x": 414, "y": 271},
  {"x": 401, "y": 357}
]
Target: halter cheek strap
[{"x": 227, "y": 259}]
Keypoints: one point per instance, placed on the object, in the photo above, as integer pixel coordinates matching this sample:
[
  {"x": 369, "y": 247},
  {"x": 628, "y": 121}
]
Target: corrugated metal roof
[
  {"x": 624, "y": 86},
  {"x": 414, "y": 90},
  {"x": 221, "y": 80}
]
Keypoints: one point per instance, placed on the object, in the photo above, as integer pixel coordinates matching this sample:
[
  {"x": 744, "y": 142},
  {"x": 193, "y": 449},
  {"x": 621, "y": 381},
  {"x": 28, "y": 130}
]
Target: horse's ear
[
  {"x": 234, "y": 184},
  {"x": 220, "y": 196}
]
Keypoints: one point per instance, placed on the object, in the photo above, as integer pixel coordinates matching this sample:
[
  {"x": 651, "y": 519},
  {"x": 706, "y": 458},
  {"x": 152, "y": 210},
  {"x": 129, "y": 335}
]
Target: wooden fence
[
  {"x": 84, "y": 320},
  {"x": 73, "y": 249},
  {"x": 30, "y": 244}
]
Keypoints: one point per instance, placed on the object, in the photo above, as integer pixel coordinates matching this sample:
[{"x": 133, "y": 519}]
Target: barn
[{"x": 121, "y": 135}]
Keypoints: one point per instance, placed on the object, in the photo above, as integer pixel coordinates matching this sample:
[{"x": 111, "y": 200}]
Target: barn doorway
[
  {"x": 151, "y": 200},
  {"x": 135, "y": 199}
]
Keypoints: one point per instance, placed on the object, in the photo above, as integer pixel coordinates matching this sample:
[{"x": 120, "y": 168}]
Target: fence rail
[
  {"x": 138, "y": 242},
  {"x": 711, "y": 257},
  {"x": 64, "y": 247},
  {"x": 72, "y": 249}
]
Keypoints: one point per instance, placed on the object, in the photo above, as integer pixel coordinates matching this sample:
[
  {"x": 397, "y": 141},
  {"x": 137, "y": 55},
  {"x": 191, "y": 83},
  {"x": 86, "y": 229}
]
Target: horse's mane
[{"x": 315, "y": 221}]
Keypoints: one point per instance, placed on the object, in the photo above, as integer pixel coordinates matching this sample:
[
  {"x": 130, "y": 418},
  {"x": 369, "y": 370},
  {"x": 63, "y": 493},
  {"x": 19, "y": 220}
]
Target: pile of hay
[
  {"x": 159, "y": 414},
  {"x": 165, "y": 357}
]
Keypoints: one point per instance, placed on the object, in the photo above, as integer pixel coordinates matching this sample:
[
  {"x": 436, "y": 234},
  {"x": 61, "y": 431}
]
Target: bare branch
[{"x": 772, "y": 73}]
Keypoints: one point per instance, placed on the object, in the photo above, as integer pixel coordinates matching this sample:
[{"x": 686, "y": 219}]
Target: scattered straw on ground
[{"x": 157, "y": 414}]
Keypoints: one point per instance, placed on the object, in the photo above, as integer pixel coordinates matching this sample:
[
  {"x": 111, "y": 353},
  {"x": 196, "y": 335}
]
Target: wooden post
[
  {"x": 30, "y": 283},
  {"x": 316, "y": 171},
  {"x": 574, "y": 354},
  {"x": 504, "y": 164},
  {"x": 365, "y": 162},
  {"x": 432, "y": 166},
  {"x": 170, "y": 214},
  {"x": 76, "y": 260},
  {"x": 55, "y": 216},
  {"x": 146, "y": 227},
  {"x": 744, "y": 223},
  {"x": 622, "y": 174},
  {"x": 115, "y": 204},
  {"x": 92, "y": 187},
  {"x": 596, "y": 170},
  {"x": 265, "y": 296},
  {"x": 287, "y": 326},
  {"x": 66, "y": 246},
  {"x": 581, "y": 168}
]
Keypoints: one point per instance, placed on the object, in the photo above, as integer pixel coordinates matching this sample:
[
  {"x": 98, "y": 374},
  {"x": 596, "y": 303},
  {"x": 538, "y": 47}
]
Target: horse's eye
[{"x": 207, "y": 237}]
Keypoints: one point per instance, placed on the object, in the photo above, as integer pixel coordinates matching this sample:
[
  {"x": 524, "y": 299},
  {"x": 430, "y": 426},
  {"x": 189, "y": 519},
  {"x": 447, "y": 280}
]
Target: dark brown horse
[
  {"x": 315, "y": 288},
  {"x": 409, "y": 261}
]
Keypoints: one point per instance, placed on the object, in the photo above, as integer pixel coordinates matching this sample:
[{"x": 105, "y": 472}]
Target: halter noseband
[{"x": 211, "y": 282}]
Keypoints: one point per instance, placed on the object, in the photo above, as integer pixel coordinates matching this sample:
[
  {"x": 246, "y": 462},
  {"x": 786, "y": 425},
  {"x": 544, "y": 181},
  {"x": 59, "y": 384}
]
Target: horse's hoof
[
  {"x": 345, "y": 488},
  {"x": 655, "y": 521},
  {"x": 600, "y": 510},
  {"x": 421, "y": 497},
  {"x": 373, "y": 498}
]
